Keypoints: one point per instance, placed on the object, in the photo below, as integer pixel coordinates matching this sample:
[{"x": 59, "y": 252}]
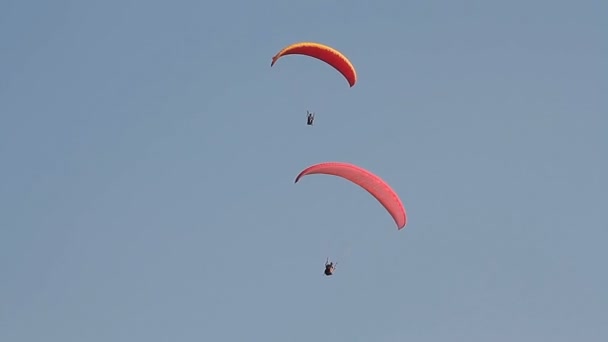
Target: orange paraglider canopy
[{"x": 324, "y": 53}]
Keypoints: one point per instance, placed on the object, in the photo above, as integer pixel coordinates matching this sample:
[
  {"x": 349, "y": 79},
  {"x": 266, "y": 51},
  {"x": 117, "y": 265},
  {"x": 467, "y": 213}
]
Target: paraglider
[
  {"x": 373, "y": 184},
  {"x": 330, "y": 267},
  {"x": 324, "y": 53},
  {"x": 310, "y": 118}
]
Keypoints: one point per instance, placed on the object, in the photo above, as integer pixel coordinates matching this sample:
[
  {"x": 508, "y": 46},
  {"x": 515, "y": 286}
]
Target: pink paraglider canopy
[{"x": 368, "y": 181}]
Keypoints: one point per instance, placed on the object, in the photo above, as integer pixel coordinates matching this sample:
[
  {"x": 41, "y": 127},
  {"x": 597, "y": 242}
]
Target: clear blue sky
[{"x": 148, "y": 152}]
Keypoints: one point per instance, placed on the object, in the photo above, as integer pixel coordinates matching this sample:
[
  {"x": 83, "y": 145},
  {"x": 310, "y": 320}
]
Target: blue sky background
[{"x": 148, "y": 152}]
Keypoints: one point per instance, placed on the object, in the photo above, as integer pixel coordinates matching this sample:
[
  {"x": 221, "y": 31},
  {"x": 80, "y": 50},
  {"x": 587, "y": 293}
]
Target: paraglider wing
[
  {"x": 368, "y": 181},
  {"x": 324, "y": 53}
]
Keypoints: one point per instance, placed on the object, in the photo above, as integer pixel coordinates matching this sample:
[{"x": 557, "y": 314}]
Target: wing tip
[
  {"x": 401, "y": 226},
  {"x": 274, "y": 59}
]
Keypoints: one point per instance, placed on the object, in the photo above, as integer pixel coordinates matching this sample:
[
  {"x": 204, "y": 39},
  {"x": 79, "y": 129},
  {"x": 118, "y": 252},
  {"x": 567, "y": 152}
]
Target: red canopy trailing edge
[
  {"x": 368, "y": 181},
  {"x": 324, "y": 53}
]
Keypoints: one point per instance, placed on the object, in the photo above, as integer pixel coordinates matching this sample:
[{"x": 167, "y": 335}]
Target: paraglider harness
[
  {"x": 310, "y": 118},
  {"x": 330, "y": 267}
]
